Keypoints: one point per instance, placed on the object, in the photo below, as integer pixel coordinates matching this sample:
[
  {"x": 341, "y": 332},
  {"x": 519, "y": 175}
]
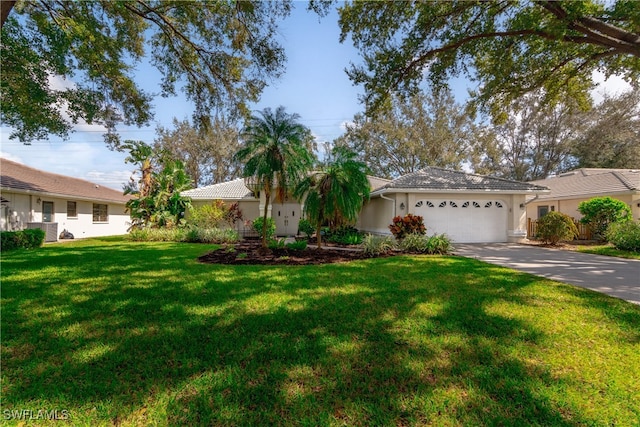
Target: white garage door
[{"x": 465, "y": 221}]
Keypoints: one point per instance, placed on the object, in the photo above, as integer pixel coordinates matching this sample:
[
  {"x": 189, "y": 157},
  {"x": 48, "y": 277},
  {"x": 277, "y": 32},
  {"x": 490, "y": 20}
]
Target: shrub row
[
  {"x": 24, "y": 239},
  {"x": 438, "y": 244},
  {"x": 189, "y": 234},
  {"x": 625, "y": 235}
]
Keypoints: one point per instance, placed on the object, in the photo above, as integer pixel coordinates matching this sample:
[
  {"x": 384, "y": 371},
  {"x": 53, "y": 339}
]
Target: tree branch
[{"x": 5, "y": 9}]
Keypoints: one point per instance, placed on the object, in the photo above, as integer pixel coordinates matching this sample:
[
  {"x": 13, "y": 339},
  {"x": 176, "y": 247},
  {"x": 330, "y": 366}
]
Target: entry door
[{"x": 286, "y": 216}]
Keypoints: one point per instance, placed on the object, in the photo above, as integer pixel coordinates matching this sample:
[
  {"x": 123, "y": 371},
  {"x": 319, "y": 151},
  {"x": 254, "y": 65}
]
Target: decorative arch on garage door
[{"x": 465, "y": 221}]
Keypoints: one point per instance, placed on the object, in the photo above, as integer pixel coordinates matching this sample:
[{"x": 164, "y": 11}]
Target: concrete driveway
[{"x": 613, "y": 276}]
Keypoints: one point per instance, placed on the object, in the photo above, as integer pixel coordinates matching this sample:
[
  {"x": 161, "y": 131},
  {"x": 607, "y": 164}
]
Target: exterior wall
[
  {"x": 376, "y": 215},
  {"x": 570, "y": 206},
  {"x": 24, "y": 208}
]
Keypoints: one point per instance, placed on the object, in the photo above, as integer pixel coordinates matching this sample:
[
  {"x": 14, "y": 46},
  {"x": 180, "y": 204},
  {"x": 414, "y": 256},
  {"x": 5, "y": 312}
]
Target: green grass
[
  {"x": 122, "y": 333},
  {"x": 608, "y": 250}
]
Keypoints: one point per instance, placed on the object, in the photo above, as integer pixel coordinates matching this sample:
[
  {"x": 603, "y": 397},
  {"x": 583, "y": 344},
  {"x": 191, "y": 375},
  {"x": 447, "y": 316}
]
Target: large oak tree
[
  {"x": 219, "y": 53},
  {"x": 508, "y": 48}
]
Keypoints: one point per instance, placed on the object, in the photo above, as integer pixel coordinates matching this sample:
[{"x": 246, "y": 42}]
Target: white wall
[{"x": 25, "y": 208}]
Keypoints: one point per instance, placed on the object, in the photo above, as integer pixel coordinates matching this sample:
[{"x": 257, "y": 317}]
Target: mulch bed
[{"x": 248, "y": 252}]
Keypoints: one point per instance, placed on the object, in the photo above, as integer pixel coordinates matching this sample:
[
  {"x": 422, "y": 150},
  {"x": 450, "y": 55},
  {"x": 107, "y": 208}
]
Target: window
[
  {"x": 465, "y": 205},
  {"x": 498, "y": 205},
  {"x": 442, "y": 204},
  {"x": 488, "y": 205},
  {"x": 542, "y": 211},
  {"x": 47, "y": 211},
  {"x": 419, "y": 204},
  {"x": 72, "y": 210},
  {"x": 453, "y": 204},
  {"x": 100, "y": 213}
]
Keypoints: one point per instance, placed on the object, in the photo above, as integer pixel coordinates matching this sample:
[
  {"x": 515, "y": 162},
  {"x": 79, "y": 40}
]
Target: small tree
[
  {"x": 409, "y": 224},
  {"x": 556, "y": 226},
  {"x": 599, "y": 212}
]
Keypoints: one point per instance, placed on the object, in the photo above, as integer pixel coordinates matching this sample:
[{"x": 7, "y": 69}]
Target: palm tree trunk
[
  {"x": 267, "y": 198},
  {"x": 319, "y": 235}
]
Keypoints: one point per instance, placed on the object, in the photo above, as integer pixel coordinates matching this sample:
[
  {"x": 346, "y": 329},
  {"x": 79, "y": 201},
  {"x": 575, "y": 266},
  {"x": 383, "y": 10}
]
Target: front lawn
[
  {"x": 608, "y": 250},
  {"x": 109, "y": 332}
]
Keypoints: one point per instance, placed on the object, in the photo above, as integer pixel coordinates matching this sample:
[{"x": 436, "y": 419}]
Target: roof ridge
[{"x": 624, "y": 180}]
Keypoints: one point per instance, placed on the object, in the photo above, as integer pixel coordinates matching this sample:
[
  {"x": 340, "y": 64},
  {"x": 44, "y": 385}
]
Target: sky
[{"x": 314, "y": 85}]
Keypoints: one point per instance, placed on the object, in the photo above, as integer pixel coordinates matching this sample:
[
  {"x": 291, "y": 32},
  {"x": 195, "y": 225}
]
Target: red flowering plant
[{"x": 409, "y": 224}]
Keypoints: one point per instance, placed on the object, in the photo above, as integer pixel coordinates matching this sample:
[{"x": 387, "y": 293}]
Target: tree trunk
[
  {"x": 267, "y": 198},
  {"x": 319, "y": 235},
  {"x": 5, "y": 10}
]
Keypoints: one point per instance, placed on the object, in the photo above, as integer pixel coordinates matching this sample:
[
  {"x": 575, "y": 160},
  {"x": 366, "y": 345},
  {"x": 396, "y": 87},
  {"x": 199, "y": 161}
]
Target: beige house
[
  {"x": 568, "y": 189},
  {"x": 32, "y": 198},
  {"x": 467, "y": 207}
]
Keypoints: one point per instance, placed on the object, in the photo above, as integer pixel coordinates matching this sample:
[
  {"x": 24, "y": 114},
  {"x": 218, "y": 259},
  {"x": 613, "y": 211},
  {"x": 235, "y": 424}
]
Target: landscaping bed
[{"x": 248, "y": 252}]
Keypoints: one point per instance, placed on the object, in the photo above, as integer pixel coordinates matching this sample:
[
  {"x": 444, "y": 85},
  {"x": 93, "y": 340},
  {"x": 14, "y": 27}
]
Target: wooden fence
[{"x": 584, "y": 232}]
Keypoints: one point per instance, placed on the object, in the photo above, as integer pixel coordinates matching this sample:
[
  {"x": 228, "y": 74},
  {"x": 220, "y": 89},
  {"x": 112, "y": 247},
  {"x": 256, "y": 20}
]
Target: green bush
[
  {"x": 297, "y": 246},
  {"x": 409, "y": 224},
  {"x": 215, "y": 215},
  {"x": 345, "y": 235},
  {"x": 439, "y": 244},
  {"x": 599, "y": 212},
  {"x": 376, "y": 245},
  {"x": 305, "y": 227},
  {"x": 190, "y": 234},
  {"x": 556, "y": 226},
  {"x": 24, "y": 239},
  {"x": 625, "y": 235},
  {"x": 432, "y": 245},
  {"x": 148, "y": 234},
  {"x": 211, "y": 235},
  {"x": 276, "y": 244},
  {"x": 271, "y": 226}
]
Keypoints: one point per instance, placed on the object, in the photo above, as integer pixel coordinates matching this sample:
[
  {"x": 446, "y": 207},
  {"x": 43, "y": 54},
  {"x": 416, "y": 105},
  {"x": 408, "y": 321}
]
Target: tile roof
[
  {"x": 21, "y": 178},
  {"x": 230, "y": 190},
  {"x": 237, "y": 190},
  {"x": 586, "y": 182},
  {"x": 438, "y": 179}
]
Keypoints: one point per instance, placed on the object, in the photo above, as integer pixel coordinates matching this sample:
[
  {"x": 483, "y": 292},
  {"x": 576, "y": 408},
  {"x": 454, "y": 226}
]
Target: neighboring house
[
  {"x": 467, "y": 207},
  {"x": 32, "y": 198},
  {"x": 568, "y": 189}
]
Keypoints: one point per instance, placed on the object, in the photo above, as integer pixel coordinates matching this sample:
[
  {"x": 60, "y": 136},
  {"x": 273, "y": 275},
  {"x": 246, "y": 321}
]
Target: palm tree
[
  {"x": 337, "y": 193},
  {"x": 276, "y": 155}
]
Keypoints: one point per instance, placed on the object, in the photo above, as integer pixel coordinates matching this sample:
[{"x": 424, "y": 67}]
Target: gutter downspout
[{"x": 394, "y": 204}]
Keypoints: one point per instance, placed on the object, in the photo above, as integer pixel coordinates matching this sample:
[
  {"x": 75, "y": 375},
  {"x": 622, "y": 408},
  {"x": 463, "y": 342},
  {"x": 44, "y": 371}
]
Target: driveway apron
[{"x": 617, "y": 277}]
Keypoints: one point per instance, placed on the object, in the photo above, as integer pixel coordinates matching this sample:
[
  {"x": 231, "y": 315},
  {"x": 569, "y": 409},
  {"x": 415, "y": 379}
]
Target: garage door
[{"x": 465, "y": 221}]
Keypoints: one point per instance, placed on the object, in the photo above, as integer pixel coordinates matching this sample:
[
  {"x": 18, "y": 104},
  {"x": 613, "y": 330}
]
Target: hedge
[{"x": 24, "y": 239}]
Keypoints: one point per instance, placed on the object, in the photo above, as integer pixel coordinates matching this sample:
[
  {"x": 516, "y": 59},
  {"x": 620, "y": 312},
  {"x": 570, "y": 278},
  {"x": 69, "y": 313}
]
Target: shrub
[
  {"x": 211, "y": 235},
  {"x": 271, "y": 226},
  {"x": 409, "y": 224},
  {"x": 215, "y": 215},
  {"x": 24, "y": 239},
  {"x": 433, "y": 245},
  {"x": 345, "y": 235},
  {"x": 276, "y": 244},
  {"x": 305, "y": 227},
  {"x": 158, "y": 234},
  {"x": 414, "y": 243},
  {"x": 297, "y": 246},
  {"x": 556, "y": 226},
  {"x": 376, "y": 245},
  {"x": 439, "y": 244},
  {"x": 190, "y": 234},
  {"x": 625, "y": 235},
  {"x": 599, "y": 212}
]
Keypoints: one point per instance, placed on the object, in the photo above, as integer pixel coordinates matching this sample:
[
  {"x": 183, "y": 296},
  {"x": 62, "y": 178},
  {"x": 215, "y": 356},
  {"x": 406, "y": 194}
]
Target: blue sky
[{"x": 314, "y": 85}]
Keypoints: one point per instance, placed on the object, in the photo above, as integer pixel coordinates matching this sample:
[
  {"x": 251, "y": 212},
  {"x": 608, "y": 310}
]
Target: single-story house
[
  {"x": 32, "y": 198},
  {"x": 568, "y": 189},
  {"x": 467, "y": 207}
]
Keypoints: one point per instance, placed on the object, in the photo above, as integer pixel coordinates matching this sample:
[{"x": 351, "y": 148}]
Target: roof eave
[
  {"x": 456, "y": 190},
  {"x": 61, "y": 195}
]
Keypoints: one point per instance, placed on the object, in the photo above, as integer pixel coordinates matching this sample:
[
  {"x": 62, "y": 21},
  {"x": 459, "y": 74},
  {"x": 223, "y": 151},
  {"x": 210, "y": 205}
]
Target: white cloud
[
  {"x": 614, "y": 85},
  {"x": 9, "y": 156}
]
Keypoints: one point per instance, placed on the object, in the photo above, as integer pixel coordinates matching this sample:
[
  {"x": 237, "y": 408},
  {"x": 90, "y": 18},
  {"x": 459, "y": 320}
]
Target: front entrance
[{"x": 286, "y": 216}]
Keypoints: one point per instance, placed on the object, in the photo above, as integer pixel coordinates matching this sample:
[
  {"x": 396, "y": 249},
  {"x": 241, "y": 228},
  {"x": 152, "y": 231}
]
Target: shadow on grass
[{"x": 141, "y": 333}]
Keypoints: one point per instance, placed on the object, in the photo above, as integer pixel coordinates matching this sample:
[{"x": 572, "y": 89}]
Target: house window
[
  {"x": 542, "y": 211},
  {"x": 72, "y": 210},
  {"x": 47, "y": 211},
  {"x": 100, "y": 213}
]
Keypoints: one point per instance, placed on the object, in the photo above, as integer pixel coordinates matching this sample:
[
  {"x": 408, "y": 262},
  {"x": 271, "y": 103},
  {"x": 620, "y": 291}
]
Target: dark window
[
  {"x": 476, "y": 204},
  {"x": 100, "y": 213},
  {"x": 47, "y": 211},
  {"x": 442, "y": 204},
  {"x": 429, "y": 204},
  {"x": 419, "y": 204},
  {"x": 498, "y": 205},
  {"x": 453, "y": 204},
  {"x": 542, "y": 211},
  {"x": 72, "y": 210},
  {"x": 465, "y": 205}
]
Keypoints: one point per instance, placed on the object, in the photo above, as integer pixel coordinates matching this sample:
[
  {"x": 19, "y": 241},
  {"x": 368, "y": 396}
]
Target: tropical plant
[
  {"x": 599, "y": 212},
  {"x": 335, "y": 194},
  {"x": 276, "y": 154},
  {"x": 625, "y": 235},
  {"x": 306, "y": 227},
  {"x": 345, "y": 235},
  {"x": 266, "y": 226},
  {"x": 409, "y": 224},
  {"x": 439, "y": 244},
  {"x": 297, "y": 246},
  {"x": 373, "y": 245},
  {"x": 556, "y": 226}
]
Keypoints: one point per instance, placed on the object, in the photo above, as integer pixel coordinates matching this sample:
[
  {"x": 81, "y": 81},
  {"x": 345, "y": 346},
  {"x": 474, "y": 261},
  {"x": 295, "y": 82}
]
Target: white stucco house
[
  {"x": 467, "y": 207},
  {"x": 32, "y": 198}
]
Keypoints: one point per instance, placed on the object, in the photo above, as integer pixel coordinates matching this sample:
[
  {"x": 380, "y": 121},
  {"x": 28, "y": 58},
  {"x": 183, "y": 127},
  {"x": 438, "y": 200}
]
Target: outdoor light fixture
[
  {"x": 401, "y": 206},
  {"x": 521, "y": 205},
  {"x": 39, "y": 200}
]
